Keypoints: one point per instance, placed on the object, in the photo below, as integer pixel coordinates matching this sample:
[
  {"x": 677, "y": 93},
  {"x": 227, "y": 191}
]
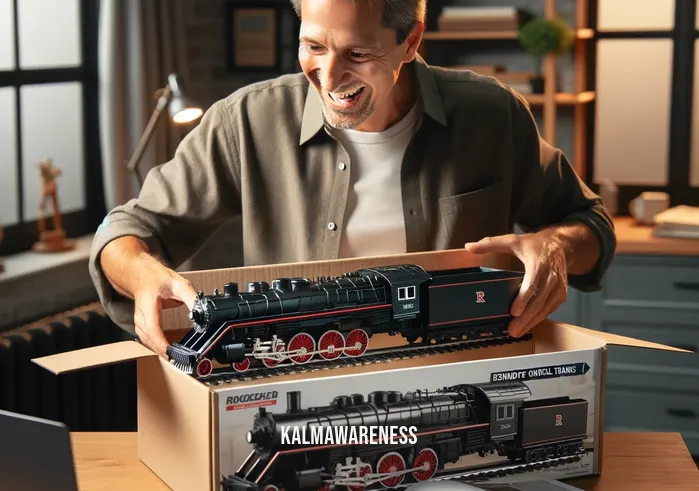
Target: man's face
[{"x": 353, "y": 60}]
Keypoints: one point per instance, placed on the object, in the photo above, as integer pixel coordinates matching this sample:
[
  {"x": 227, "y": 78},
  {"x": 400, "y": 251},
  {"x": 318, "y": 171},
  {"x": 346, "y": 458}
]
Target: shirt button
[
  {"x": 342, "y": 166},
  {"x": 332, "y": 226}
]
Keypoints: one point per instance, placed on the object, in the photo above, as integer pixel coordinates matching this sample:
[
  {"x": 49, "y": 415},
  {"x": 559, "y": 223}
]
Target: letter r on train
[
  {"x": 559, "y": 420},
  {"x": 480, "y": 297}
]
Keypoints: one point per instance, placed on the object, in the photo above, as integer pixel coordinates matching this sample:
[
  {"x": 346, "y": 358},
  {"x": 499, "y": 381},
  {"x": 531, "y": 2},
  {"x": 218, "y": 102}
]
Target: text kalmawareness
[{"x": 348, "y": 435}]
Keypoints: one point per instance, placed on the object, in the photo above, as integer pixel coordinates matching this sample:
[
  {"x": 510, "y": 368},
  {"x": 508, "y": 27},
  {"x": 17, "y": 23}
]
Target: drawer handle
[
  {"x": 682, "y": 413},
  {"x": 687, "y": 285}
]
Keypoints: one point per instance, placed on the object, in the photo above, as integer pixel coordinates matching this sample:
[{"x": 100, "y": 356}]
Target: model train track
[
  {"x": 382, "y": 355},
  {"x": 482, "y": 473},
  {"x": 489, "y": 473}
]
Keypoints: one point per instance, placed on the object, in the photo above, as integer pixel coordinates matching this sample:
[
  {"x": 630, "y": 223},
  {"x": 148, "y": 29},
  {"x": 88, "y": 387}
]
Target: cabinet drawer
[
  {"x": 652, "y": 411},
  {"x": 647, "y": 281}
]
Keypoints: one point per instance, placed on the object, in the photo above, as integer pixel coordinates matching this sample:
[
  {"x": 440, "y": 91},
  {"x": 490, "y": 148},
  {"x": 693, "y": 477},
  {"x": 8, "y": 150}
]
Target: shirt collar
[{"x": 430, "y": 99}]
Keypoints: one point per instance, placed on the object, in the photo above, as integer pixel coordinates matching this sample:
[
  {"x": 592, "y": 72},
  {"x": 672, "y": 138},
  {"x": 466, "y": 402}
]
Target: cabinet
[{"x": 655, "y": 298}]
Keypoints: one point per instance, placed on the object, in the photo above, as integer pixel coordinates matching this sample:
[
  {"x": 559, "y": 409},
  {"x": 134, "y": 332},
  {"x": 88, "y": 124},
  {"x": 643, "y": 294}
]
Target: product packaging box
[{"x": 481, "y": 408}]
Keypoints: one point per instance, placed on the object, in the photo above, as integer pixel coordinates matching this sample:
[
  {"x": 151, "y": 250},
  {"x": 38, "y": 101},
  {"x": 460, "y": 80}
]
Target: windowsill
[
  {"x": 24, "y": 264},
  {"x": 38, "y": 285}
]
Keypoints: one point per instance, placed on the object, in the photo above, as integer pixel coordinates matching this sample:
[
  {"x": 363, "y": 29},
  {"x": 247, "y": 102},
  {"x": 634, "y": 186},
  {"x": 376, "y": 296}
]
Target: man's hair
[{"x": 400, "y": 15}]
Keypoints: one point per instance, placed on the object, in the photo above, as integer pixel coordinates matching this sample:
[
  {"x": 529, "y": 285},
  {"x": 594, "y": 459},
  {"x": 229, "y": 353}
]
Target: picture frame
[{"x": 253, "y": 37}]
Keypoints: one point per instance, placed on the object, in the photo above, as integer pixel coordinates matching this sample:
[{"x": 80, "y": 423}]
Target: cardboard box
[{"x": 192, "y": 434}]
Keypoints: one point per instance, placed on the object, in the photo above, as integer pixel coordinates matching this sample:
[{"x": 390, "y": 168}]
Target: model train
[
  {"x": 488, "y": 418},
  {"x": 296, "y": 318}
]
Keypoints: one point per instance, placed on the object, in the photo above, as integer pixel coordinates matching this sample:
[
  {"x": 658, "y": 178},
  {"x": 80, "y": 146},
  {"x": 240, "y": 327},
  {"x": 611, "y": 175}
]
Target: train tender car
[
  {"x": 450, "y": 423},
  {"x": 297, "y": 319}
]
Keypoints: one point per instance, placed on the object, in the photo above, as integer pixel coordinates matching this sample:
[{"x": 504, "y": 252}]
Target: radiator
[{"x": 97, "y": 399}]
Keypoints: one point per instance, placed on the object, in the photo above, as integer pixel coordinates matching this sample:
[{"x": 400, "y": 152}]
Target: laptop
[{"x": 35, "y": 454}]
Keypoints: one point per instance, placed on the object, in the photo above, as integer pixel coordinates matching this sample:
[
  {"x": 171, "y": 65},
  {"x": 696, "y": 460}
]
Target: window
[
  {"x": 48, "y": 109},
  {"x": 406, "y": 293},
  {"x": 505, "y": 412}
]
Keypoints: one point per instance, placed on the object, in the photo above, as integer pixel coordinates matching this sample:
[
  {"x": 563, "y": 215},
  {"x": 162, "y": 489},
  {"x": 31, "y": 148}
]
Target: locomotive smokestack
[
  {"x": 293, "y": 401},
  {"x": 230, "y": 289}
]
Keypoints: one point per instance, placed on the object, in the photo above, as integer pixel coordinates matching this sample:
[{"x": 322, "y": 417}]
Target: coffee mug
[{"x": 646, "y": 205}]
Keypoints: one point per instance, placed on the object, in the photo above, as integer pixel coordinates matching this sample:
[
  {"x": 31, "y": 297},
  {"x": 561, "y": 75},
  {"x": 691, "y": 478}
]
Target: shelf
[
  {"x": 462, "y": 35},
  {"x": 562, "y": 98}
]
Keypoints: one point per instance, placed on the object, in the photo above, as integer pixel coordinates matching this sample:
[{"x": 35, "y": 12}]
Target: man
[{"x": 368, "y": 151}]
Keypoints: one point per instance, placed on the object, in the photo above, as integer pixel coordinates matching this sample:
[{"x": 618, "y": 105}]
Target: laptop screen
[{"x": 35, "y": 454}]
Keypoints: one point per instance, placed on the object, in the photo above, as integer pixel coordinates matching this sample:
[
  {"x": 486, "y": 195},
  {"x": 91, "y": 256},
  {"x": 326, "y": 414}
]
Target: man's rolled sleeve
[
  {"x": 181, "y": 204},
  {"x": 549, "y": 192}
]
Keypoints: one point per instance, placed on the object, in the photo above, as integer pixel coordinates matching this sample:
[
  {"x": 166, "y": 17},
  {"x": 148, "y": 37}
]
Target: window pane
[
  {"x": 52, "y": 126},
  {"x": 694, "y": 170},
  {"x": 632, "y": 129},
  {"x": 49, "y": 33},
  {"x": 7, "y": 35},
  {"x": 635, "y": 15},
  {"x": 9, "y": 212}
]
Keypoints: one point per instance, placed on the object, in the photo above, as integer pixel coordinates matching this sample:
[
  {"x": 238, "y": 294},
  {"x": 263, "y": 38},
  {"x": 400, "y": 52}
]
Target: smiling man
[{"x": 369, "y": 151}]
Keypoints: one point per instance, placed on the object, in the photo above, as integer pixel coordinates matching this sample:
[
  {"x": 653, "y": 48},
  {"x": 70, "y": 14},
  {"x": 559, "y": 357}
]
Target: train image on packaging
[
  {"x": 494, "y": 418},
  {"x": 297, "y": 319}
]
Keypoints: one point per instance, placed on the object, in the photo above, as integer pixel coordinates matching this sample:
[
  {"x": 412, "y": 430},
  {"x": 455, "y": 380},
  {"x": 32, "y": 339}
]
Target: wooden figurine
[{"x": 51, "y": 240}]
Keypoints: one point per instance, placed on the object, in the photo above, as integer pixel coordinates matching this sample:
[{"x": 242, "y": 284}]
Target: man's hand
[
  {"x": 545, "y": 283},
  {"x": 134, "y": 273},
  {"x": 160, "y": 288}
]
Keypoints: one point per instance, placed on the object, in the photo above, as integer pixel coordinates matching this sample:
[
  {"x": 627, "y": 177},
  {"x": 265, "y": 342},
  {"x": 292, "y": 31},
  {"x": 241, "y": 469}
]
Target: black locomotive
[
  {"x": 297, "y": 318},
  {"x": 489, "y": 418}
]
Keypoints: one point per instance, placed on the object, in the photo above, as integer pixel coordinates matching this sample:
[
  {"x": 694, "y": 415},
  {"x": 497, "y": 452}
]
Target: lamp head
[{"x": 182, "y": 108}]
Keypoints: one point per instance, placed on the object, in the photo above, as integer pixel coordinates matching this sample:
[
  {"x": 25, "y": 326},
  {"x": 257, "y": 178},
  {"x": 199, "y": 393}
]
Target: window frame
[
  {"x": 21, "y": 236},
  {"x": 683, "y": 34}
]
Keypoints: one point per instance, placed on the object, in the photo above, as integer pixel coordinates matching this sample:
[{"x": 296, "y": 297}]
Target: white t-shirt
[{"x": 374, "y": 224}]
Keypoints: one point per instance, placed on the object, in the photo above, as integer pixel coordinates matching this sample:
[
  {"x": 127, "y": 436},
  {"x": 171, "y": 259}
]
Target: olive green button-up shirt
[{"x": 475, "y": 166}]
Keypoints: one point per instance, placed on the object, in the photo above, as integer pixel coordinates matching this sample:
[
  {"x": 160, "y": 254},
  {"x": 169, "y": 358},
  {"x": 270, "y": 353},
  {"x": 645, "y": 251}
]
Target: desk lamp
[{"x": 182, "y": 110}]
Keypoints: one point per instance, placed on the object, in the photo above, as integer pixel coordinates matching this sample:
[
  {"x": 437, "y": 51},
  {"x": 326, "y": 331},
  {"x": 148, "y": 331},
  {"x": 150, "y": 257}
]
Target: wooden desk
[
  {"x": 633, "y": 461},
  {"x": 638, "y": 239}
]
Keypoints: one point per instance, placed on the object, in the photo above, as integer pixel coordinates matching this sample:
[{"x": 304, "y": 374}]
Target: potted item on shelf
[{"x": 541, "y": 37}]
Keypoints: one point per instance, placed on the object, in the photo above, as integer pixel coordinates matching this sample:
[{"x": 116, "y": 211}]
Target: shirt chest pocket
[{"x": 471, "y": 216}]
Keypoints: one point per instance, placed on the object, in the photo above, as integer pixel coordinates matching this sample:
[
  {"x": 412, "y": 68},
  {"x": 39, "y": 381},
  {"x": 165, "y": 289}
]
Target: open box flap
[
  {"x": 106, "y": 354},
  {"x": 608, "y": 338}
]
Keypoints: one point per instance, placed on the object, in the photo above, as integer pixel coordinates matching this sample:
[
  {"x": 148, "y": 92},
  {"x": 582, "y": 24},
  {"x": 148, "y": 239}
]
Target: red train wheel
[
  {"x": 389, "y": 463},
  {"x": 242, "y": 365},
  {"x": 363, "y": 471},
  {"x": 303, "y": 342},
  {"x": 271, "y": 362},
  {"x": 271, "y": 487},
  {"x": 333, "y": 342},
  {"x": 204, "y": 367},
  {"x": 427, "y": 460},
  {"x": 356, "y": 343}
]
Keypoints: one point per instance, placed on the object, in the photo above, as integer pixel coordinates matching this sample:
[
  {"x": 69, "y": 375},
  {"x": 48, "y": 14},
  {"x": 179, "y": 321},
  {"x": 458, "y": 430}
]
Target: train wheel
[
  {"x": 356, "y": 343},
  {"x": 271, "y": 487},
  {"x": 389, "y": 463},
  {"x": 242, "y": 366},
  {"x": 333, "y": 342},
  {"x": 366, "y": 469},
  {"x": 271, "y": 362},
  {"x": 303, "y": 342},
  {"x": 204, "y": 367},
  {"x": 427, "y": 460}
]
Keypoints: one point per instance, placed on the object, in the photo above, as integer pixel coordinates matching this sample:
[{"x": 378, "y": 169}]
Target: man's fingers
[
  {"x": 500, "y": 244},
  {"x": 152, "y": 326},
  {"x": 538, "y": 310},
  {"x": 184, "y": 291}
]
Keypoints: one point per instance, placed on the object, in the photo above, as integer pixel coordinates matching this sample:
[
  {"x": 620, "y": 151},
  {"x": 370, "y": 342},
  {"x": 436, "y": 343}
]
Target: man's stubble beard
[{"x": 349, "y": 121}]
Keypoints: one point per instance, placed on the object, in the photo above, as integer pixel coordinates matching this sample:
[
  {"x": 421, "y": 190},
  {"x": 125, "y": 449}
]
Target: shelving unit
[{"x": 551, "y": 98}]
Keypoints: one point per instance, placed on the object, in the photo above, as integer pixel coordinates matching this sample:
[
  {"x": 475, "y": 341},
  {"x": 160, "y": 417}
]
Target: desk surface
[
  {"x": 632, "y": 461},
  {"x": 638, "y": 239}
]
